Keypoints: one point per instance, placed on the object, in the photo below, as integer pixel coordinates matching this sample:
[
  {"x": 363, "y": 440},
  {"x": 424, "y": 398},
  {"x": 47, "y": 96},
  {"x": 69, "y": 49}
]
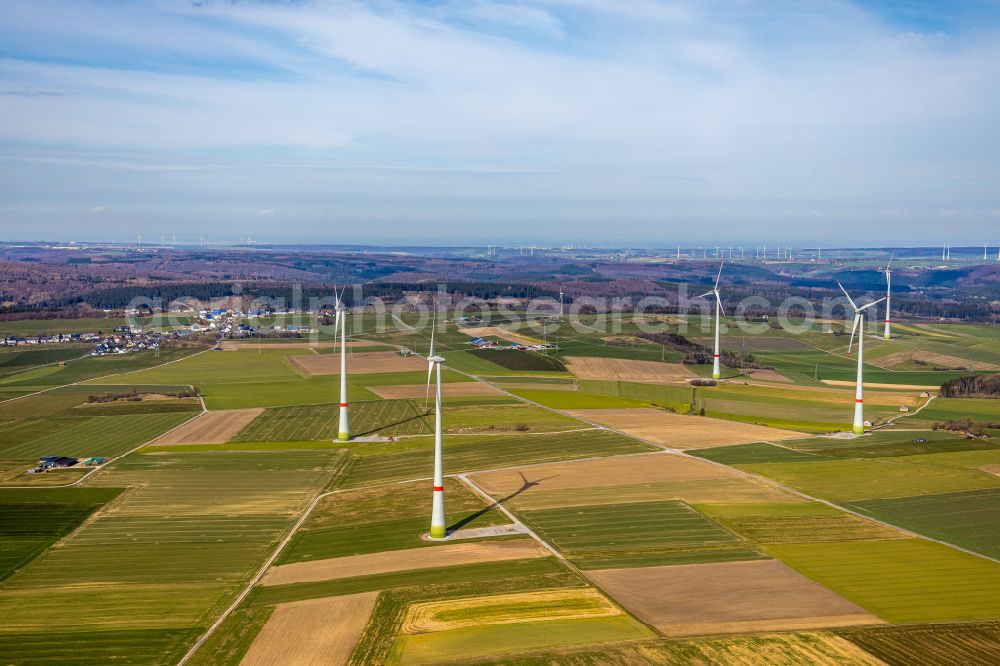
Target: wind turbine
[
  {"x": 859, "y": 327},
  {"x": 888, "y": 296},
  {"x": 344, "y": 431},
  {"x": 439, "y": 528},
  {"x": 716, "y": 371}
]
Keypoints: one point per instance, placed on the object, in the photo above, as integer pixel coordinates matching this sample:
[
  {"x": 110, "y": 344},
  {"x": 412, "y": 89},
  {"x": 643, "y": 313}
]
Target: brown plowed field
[
  {"x": 768, "y": 376},
  {"x": 216, "y": 427},
  {"x": 868, "y": 385},
  {"x": 942, "y": 360},
  {"x": 626, "y": 370},
  {"x": 680, "y": 431},
  {"x": 619, "y": 470},
  {"x": 313, "y": 632},
  {"x": 455, "y": 390},
  {"x": 366, "y": 363},
  {"x": 730, "y": 597},
  {"x": 403, "y": 560}
]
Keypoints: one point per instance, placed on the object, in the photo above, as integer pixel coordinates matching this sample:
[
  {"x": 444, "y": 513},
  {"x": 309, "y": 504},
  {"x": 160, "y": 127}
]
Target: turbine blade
[
  {"x": 427, "y": 390},
  {"x": 705, "y": 294},
  {"x": 721, "y": 308},
  {"x": 719, "y": 276},
  {"x": 430, "y": 364},
  {"x": 433, "y": 329},
  {"x": 848, "y": 296},
  {"x": 890, "y": 260},
  {"x": 865, "y": 307},
  {"x": 857, "y": 318}
]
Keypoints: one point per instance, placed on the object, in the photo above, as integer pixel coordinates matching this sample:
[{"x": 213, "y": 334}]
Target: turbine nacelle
[{"x": 858, "y": 316}]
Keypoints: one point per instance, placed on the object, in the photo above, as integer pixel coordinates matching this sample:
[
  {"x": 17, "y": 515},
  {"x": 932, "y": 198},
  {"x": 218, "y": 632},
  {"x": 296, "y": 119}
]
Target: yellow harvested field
[
  {"x": 623, "y": 369},
  {"x": 785, "y": 649},
  {"x": 313, "y": 632},
  {"x": 713, "y": 491},
  {"x": 940, "y": 360},
  {"x": 680, "y": 431},
  {"x": 366, "y": 363},
  {"x": 228, "y": 345},
  {"x": 496, "y": 332},
  {"x": 403, "y": 560},
  {"x": 452, "y": 390},
  {"x": 431, "y": 616},
  {"x": 868, "y": 385},
  {"x": 619, "y": 470},
  {"x": 729, "y": 597},
  {"x": 216, "y": 427}
]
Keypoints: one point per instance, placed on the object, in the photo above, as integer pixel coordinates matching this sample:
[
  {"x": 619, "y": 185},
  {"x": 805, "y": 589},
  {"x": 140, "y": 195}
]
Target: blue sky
[{"x": 574, "y": 121}]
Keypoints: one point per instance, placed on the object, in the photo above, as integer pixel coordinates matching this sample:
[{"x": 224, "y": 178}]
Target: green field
[
  {"x": 757, "y": 452},
  {"x": 94, "y": 367},
  {"x": 11, "y": 361},
  {"x": 872, "y": 478},
  {"x": 315, "y": 422},
  {"x": 106, "y": 436},
  {"x": 902, "y": 580},
  {"x": 794, "y": 523},
  {"x": 575, "y": 400},
  {"x": 482, "y": 578},
  {"x": 520, "y": 360},
  {"x": 500, "y": 418},
  {"x": 33, "y": 519},
  {"x": 132, "y": 569},
  {"x": 468, "y": 453},
  {"x": 636, "y": 534},
  {"x": 968, "y": 519}
]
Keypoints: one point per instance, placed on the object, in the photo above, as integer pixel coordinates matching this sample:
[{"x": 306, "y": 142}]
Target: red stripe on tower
[
  {"x": 438, "y": 489},
  {"x": 858, "y": 400},
  {"x": 343, "y": 404},
  {"x": 716, "y": 356}
]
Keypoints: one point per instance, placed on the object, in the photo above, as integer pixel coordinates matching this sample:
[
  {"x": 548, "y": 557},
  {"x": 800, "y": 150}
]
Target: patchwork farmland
[{"x": 593, "y": 518}]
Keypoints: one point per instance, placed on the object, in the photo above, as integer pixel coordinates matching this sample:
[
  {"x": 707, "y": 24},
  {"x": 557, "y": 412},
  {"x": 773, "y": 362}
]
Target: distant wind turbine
[
  {"x": 716, "y": 370},
  {"x": 859, "y": 328},
  {"x": 888, "y": 296}
]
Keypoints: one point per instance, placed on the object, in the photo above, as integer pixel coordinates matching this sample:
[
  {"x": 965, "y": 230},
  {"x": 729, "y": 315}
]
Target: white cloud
[{"x": 552, "y": 108}]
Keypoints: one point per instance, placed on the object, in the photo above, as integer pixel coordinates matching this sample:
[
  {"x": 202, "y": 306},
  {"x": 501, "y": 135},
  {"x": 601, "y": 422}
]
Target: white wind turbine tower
[
  {"x": 859, "y": 328},
  {"x": 716, "y": 370},
  {"x": 439, "y": 528},
  {"x": 888, "y": 296},
  {"x": 561, "y": 313},
  {"x": 340, "y": 322}
]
